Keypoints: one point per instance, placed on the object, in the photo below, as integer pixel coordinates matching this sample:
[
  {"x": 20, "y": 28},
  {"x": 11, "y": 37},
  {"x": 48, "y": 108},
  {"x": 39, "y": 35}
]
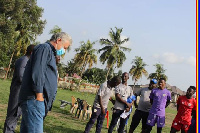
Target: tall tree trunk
[
  {"x": 83, "y": 68},
  {"x": 134, "y": 83},
  {"x": 81, "y": 75},
  {"x": 108, "y": 73},
  {"x": 6, "y": 75}
]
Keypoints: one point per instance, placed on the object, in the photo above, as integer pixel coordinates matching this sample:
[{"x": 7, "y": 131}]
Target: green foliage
[
  {"x": 159, "y": 72},
  {"x": 20, "y": 23},
  {"x": 72, "y": 68},
  {"x": 85, "y": 56},
  {"x": 61, "y": 70},
  {"x": 112, "y": 53},
  {"x": 56, "y": 29},
  {"x": 95, "y": 75},
  {"x": 138, "y": 69}
]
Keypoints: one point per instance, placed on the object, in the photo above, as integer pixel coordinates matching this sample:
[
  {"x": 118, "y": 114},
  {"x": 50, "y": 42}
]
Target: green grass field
[{"x": 61, "y": 121}]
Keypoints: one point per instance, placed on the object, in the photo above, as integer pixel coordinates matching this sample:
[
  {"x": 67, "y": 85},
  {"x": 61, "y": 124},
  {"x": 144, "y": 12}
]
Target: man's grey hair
[{"x": 61, "y": 35}]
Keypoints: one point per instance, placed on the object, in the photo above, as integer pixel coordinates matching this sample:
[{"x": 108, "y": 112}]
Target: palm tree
[
  {"x": 22, "y": 40},
  {"x": 85, "y": 56},
  {"x": 138, "y": 69},
  {"x": 56, "y": 29},
  {"x": 159, "y": 72},
  {"x": 112, "y": 52},
  {"x": 72, "y": 67}
]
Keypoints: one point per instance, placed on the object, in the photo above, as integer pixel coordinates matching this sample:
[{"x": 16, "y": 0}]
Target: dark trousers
[
  {"x": 11, "y": 120},
  {"x": 115, "y": 116},
  {"x": 192, "y": 128},
  {"x": 96, "y": 115},
  {"x": 138, "y": 115},
  {"x": 13, "y": 111},
  {"x": 149, "y": 128}
]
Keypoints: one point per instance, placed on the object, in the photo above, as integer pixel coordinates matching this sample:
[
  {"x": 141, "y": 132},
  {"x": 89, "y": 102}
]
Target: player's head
[
  {"x": 153, "y": 83},
  {"x": 125, "y": 77},
  {"x": 190, "y": 91},
  {"x": 162, "y": 83},
  {"x": 29, "y": 49},
  {"x": 115, "y": 81}
]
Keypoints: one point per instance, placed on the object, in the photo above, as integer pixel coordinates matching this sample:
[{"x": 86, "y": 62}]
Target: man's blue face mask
[{"x": 60, "y": 52}]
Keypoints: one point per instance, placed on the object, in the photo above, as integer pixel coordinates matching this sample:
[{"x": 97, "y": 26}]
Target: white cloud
[
  {"x": 172, "y": 58},
  {"x": 191, "y": 60},
  {"x": 156, "y": 56}
]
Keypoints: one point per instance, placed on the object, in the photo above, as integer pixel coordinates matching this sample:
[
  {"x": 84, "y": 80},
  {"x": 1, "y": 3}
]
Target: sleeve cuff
[{"x": 37, "y": 89}]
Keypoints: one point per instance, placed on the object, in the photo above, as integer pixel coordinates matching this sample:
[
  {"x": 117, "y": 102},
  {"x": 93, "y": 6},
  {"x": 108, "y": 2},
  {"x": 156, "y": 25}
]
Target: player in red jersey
[{"x": 186, "y": 105}]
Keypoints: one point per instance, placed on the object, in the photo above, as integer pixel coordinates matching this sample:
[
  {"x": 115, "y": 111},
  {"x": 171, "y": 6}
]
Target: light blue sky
[{"x": 159, "y": 31}]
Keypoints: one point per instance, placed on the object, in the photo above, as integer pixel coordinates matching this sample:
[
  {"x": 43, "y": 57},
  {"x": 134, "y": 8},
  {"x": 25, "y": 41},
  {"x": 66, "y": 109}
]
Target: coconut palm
[
  {"x": 138, "y": 69},
  {"x": 159, "y": 72},
  {"x": 85, "y": 56},
  {"x": 113, "y": 51},
  {"x": 56, "y": 29},
  {"x": 22, "y": 40}
]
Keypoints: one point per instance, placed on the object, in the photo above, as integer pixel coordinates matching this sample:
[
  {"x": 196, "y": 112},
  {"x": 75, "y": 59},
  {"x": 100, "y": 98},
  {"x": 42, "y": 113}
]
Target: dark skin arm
[
  {"x": 194, "y": 113},
  {"x": 167, "y": 103},
  {"x": 135, "y": 102},
  {"x": 113, "y": 101},
  {"x": 177, "y": 107},
  {"x": 101, "y": 105},
  {"x": 151, "y": 101},
  {"x": 118, "y": 98}
]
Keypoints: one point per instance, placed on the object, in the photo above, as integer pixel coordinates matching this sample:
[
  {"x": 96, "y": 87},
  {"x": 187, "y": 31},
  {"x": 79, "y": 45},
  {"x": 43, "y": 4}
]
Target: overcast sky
[{"x": 159, "y": 31}]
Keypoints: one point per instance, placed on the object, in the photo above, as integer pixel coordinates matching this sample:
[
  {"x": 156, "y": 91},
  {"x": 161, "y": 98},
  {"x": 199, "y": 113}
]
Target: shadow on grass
[{"x": 63, "y": 111}]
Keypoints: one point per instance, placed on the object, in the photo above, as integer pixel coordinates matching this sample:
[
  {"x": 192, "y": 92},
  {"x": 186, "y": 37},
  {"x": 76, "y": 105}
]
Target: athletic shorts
[
  {"x": 153, "y": 119},
  {"x": 179, "y": 126}
]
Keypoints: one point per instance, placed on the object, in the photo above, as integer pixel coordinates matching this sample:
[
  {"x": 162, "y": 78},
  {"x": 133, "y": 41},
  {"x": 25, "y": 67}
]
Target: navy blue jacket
[
  {"x": 40, "y": 75},
  {"x": 20, "y": 65}
]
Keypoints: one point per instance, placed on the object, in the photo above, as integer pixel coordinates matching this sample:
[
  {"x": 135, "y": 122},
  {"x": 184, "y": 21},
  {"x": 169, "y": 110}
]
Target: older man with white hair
[{"x": 39, "y": 84}]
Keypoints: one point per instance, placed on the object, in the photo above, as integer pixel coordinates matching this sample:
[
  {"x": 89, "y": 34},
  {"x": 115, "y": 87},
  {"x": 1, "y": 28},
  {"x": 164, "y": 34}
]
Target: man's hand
[
  {"x": 39, "y": 97},
  {"x": 129, "y": 105},
  {"x": 103, "y": 111},
  {"x": 127, "y": 109},
  {"x": 136, "y": 106}
]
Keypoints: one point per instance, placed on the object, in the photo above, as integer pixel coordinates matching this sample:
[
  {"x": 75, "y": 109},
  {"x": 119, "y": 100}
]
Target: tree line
[
  {"x": 21, "y": 23},
  {"x": 112, "y": 54}
]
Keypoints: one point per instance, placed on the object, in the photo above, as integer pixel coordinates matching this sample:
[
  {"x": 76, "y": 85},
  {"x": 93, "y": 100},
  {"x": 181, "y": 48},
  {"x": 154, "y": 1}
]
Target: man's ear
[{"x": 58, "y": 40}]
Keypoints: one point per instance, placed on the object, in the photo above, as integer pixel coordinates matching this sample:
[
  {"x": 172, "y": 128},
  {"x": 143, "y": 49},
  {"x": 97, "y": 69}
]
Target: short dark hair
[
  {"x": 162, "y": 79},
  {"x": 193, "y": 87},
  {"x": 29, "y": 49},
  {"x": 116, "y": 79}
]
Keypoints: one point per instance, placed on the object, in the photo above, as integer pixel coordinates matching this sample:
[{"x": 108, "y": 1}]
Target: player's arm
[
  {"x": 135, "y": 102},
  {"x": 151, "y": 101},
  {"x": 177, "y": 107},
  {"x": 112, "y": 100},
  {"x": 193, "y": 113},
  {"x": 151, "y": 96},
  {"x": 194, "y": 110},
  {"x": 167, "y": 103},
  {"x": 118, "y": 98},
  {"x": 168, "y": 99},
  {"x": 101, "y": 105}
]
